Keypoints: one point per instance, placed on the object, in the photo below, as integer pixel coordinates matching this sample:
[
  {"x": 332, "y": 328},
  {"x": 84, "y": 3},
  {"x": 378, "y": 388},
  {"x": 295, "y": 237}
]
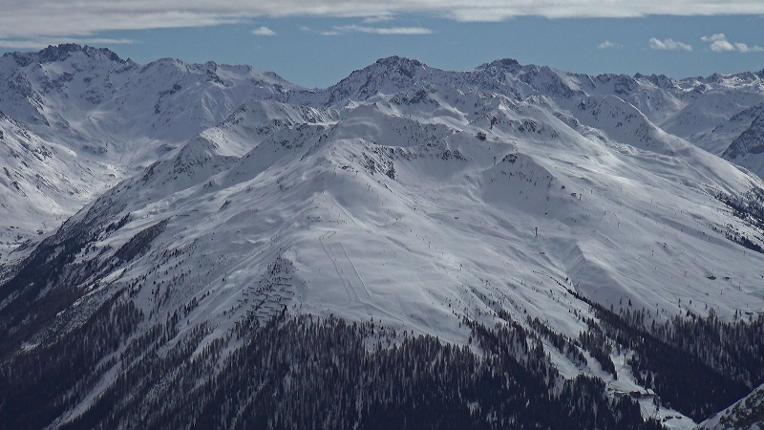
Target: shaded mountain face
[
  {"x": 747, "y": 149},
  {"x": 494, "y": 219},
  {"x": 747, "y": 413}
]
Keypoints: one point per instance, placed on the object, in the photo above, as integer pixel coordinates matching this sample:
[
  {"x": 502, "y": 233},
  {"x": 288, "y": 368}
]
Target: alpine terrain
[{"x": 208, "y": 246}]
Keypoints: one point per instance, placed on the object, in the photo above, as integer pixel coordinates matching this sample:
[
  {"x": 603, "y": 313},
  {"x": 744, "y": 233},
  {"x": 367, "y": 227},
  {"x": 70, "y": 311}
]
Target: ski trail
[
  {"x": 357, "y": 275},
  {"x": 349, "y": 290}
]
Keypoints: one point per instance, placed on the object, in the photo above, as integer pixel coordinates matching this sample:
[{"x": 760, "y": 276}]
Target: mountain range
[{"x": 166, "y": 228}]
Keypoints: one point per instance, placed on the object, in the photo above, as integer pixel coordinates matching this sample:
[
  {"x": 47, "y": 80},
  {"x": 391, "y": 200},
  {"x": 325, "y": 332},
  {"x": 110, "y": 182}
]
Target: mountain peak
[
  {"x": 502, "y": 63},
  {"x": 391, "y": 73},
  {"x": 61, "y": 52},
  {"x": 398, "y": 65},
  {"x": 395, "y": 60}
]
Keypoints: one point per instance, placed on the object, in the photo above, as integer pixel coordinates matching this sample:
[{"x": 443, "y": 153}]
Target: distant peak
[
  {"x": 62, "y": 49},
  {"x": 503, "y": 63},
  {"x": 659, "y": 80},
  {"x": 61, "y": 52},
  {"x": 395, "y": 60},
  {"x": 394, "y": 65}
]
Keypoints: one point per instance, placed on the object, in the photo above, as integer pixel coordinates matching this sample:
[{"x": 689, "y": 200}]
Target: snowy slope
[
  {"x": 412, "y": 196},
  {"x": 42, "y": 183},
  {"x": 105, "y": 118},
  {"x": 410, "y": 189}
]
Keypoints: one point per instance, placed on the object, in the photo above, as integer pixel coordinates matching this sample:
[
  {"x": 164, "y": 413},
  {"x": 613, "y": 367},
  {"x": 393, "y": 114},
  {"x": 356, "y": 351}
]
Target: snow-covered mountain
[
  {"x": 118, "y": 116},
  {"x": 42, "y": 184},
  {"x": 748, "y": 148},
  {"x": 101, "y": 118},
  {"x": 583, "y": 211}
]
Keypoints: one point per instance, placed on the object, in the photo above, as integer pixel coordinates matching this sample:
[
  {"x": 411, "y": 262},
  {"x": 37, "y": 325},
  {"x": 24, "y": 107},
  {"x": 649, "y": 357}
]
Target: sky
[{"x": 315, "y": 43}]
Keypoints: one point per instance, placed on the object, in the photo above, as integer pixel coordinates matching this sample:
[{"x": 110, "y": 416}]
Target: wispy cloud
[
  {"x": 386, "y": 31},
  {"x": 377, "y": 19},
  {"x": 719, "y": 43},
  {"x": 307, "y": 29},
  {"x": 668, "y": 45},
  {"x": 263, "y": 31},
  {"x": 606, "y": 44},
  {"x": 22, "y": 19},
  {"x": 354, "y": 28},
  {"x": 40, "y": 43}
]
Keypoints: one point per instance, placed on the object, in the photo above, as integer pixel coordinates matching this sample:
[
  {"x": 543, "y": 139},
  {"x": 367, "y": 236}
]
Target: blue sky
[{"x": 319, "y": 50}]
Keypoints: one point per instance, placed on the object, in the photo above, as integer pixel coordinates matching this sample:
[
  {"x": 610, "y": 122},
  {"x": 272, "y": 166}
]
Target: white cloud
[
  {"x": 387, "y": 31},
  {"x": 719, "y": 43},
  {"x": 606, "y": 44},
  {"x": 354, "y": 28},
  {"x": 34, "y": 18},
  {"x": 263, "y": 31},
  {"x": 377, "y": 19},
  {"x": 40, "y": 43},
  {"x": 668, "y": 45}
]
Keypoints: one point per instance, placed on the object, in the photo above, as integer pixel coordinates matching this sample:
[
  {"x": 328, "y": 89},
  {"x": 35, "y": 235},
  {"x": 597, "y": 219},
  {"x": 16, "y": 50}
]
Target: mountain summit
[{"x": 58, "y": 53}]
